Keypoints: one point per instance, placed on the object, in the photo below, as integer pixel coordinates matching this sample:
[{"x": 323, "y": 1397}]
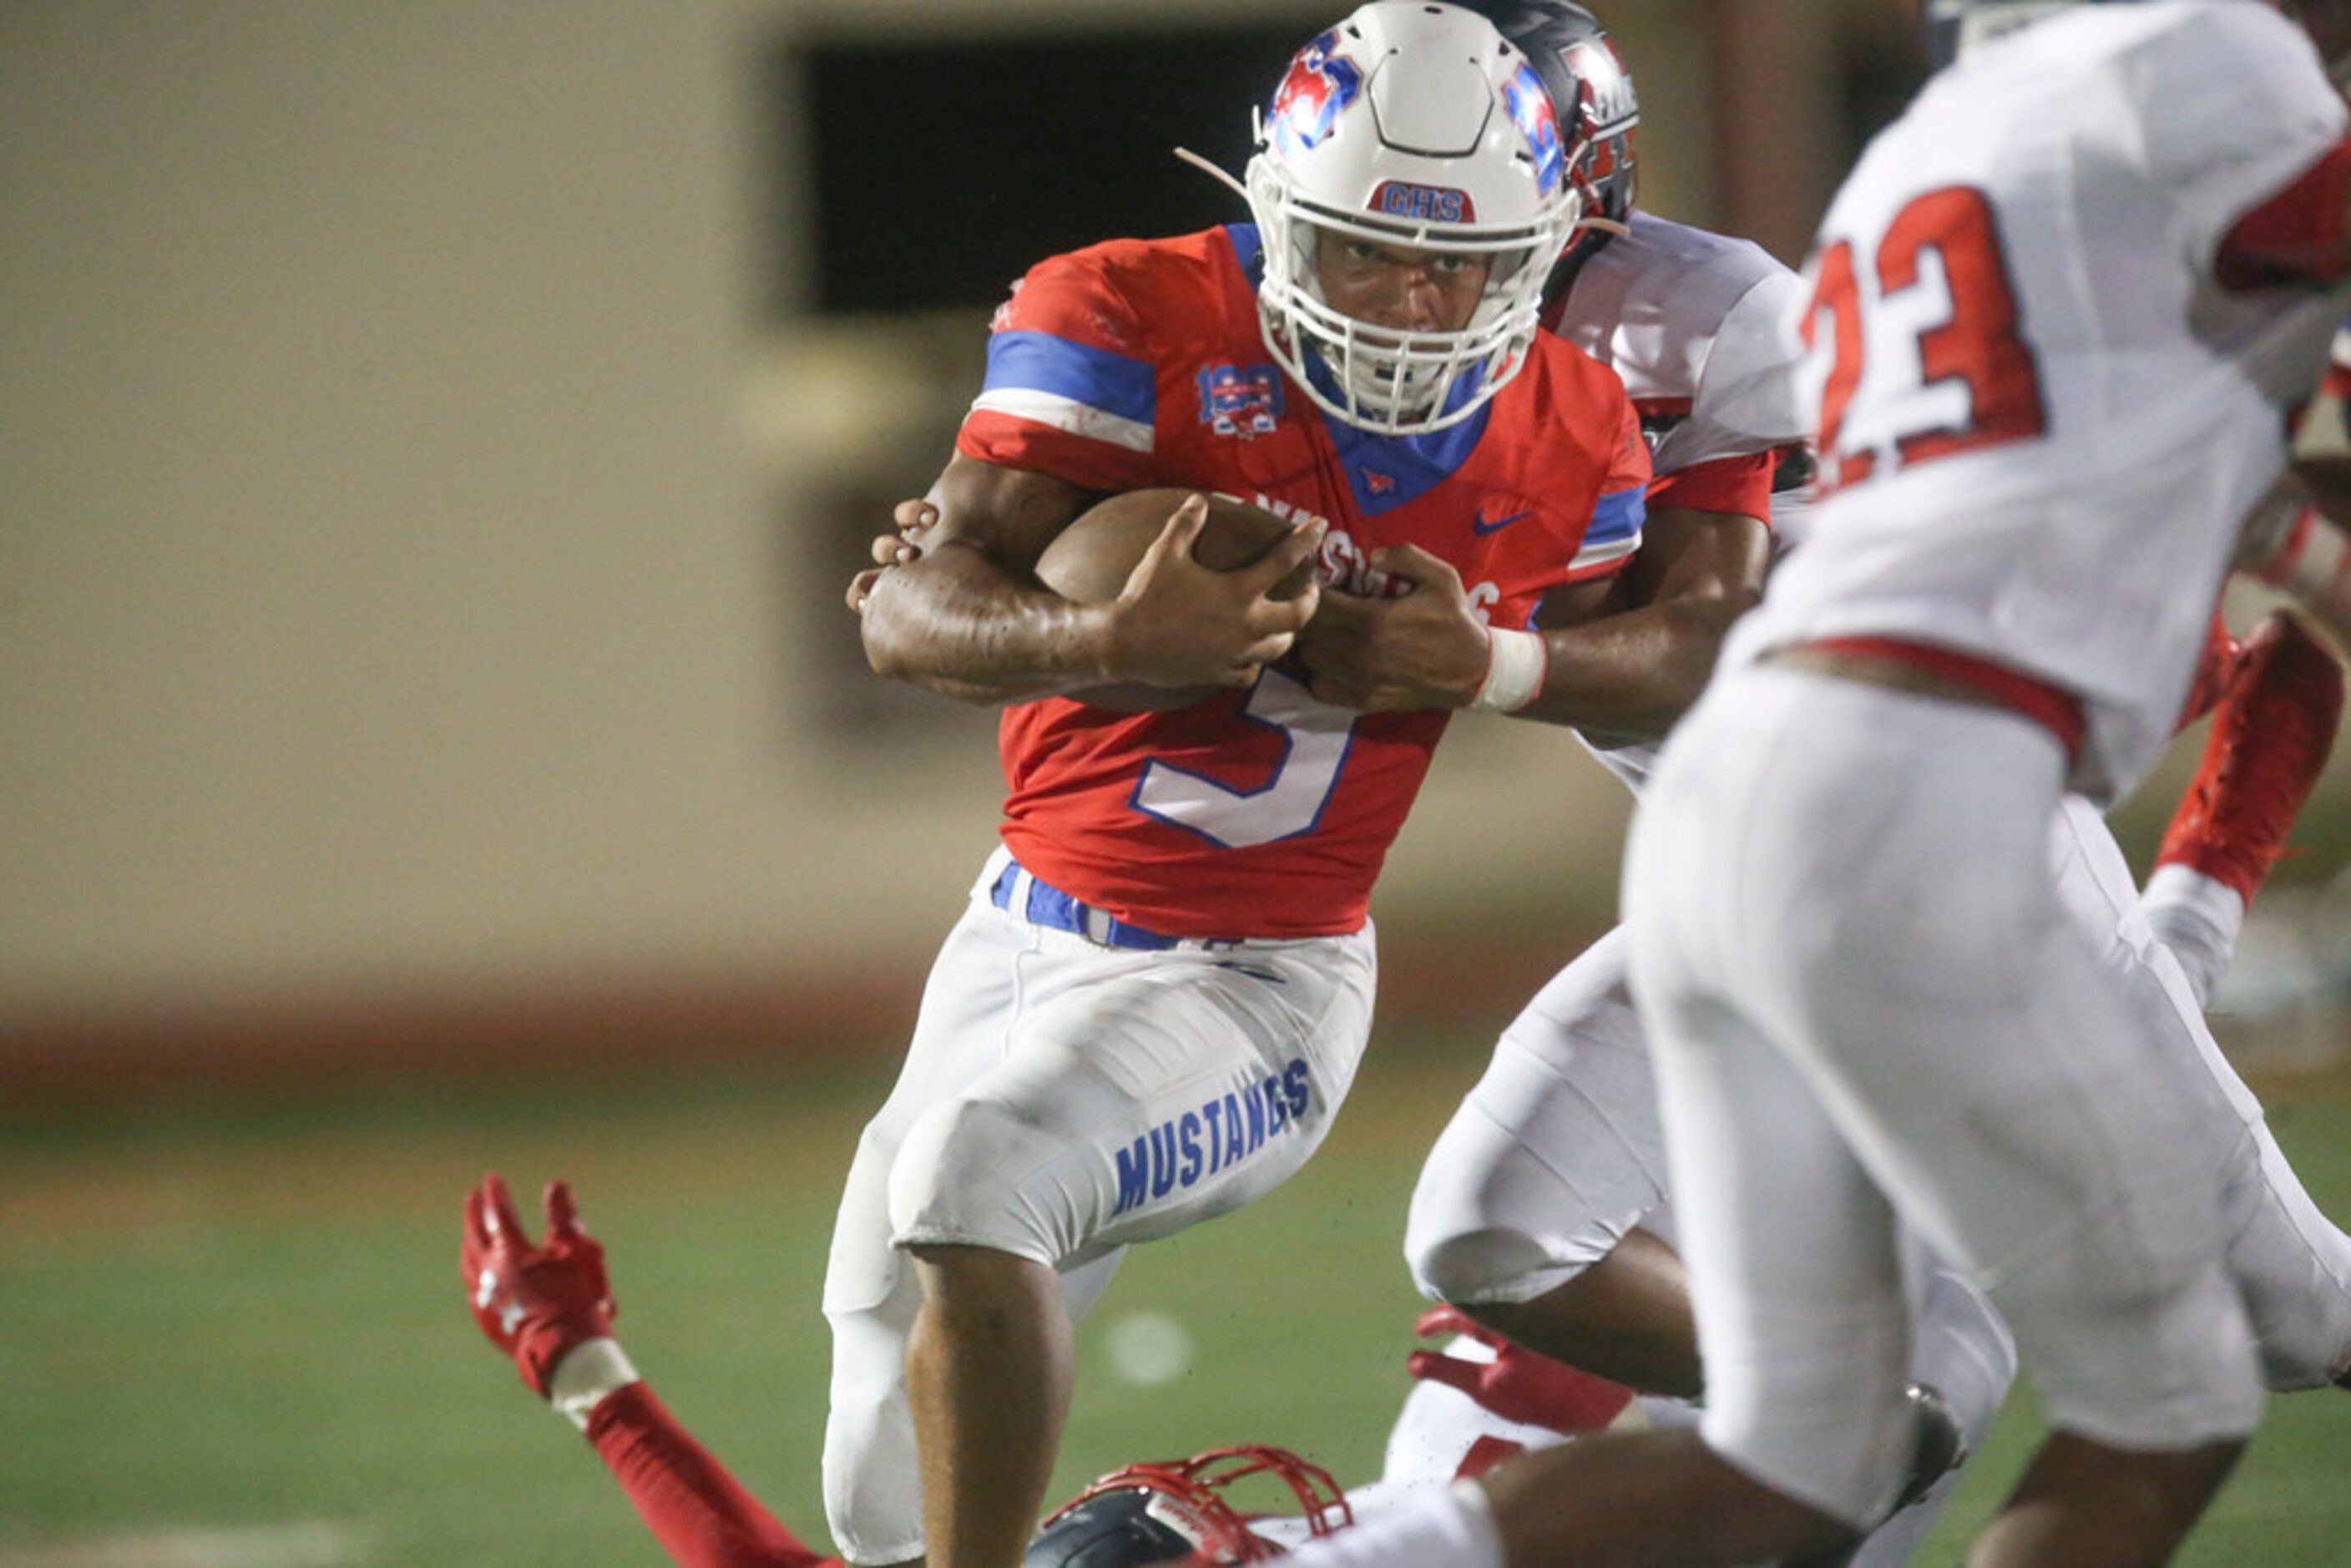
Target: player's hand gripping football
[
  {"x": 536, "y": 1302},
  {"x": 1179, "y": 623},
  {"x": 1428, "y": 648},
  {"x": 1517, "y": 1385},
  {"x": 913, "y": 519}
]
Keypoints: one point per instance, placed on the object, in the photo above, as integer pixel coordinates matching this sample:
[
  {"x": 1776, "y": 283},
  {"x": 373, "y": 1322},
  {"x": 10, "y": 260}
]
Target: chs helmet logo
[
  {"x": 1423, "y": 203},
  {"x": 1318, "y": 86}
]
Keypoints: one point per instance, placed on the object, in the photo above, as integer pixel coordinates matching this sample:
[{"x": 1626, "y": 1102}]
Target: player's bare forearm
[
  {"x": 1623, "y": 659},
  {"x": 1628, "y": 676},
  {"x": 1627, "y": 668},
  {"x": 957, "y": 623},
  {"x": 963, "y": 616},
  {"x": 954, "y": 603}
]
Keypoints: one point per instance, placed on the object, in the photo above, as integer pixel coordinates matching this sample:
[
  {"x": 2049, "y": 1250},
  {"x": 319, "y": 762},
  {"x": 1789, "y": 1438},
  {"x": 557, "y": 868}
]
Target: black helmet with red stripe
[{"x": 1599, "y": 113}]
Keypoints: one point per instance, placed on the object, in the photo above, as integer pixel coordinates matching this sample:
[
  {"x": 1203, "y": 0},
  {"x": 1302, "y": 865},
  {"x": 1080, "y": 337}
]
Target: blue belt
[{"x": 1049, "y": 905}]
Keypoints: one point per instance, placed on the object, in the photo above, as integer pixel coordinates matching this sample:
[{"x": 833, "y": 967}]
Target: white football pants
[
  {"x": 1059, "y": 1100},
  {"x": 1871, "y": 1011}
]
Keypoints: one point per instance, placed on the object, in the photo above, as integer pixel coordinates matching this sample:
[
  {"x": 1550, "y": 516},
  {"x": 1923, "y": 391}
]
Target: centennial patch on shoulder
[{"x": 1244, "y": 400}]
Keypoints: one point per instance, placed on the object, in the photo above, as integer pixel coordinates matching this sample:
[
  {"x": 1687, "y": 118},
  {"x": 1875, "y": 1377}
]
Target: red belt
[{"x": 2055, "y": 710}]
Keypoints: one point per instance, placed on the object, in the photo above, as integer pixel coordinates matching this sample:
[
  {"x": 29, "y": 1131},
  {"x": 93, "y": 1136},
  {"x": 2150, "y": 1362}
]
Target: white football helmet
[{"x": 1415, "y": 126}]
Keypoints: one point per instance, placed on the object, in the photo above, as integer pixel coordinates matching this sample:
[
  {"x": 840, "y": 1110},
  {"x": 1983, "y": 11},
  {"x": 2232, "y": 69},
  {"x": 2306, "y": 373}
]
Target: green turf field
[{"x": 234, "y": 1319}]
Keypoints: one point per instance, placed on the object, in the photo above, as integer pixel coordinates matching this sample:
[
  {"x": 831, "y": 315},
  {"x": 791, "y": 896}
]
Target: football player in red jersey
[{"x": 1161, "y": 988}]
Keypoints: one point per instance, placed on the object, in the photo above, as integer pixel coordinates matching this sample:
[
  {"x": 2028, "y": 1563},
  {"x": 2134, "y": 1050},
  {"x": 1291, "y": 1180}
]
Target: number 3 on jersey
[
  {"x": 1924, "y": 358},
  {"x": 1314, "y": 740}
]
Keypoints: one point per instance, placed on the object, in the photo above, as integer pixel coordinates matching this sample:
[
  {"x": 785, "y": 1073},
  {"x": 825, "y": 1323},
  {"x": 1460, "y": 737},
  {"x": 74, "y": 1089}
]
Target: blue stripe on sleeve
[
  {"x": 1039, "y": 362},
  {"x": 1616, "y": 516}
]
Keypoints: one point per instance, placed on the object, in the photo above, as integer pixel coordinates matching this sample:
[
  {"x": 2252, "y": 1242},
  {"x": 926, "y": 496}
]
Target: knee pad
[
  {"x": 962, "y": 1178},
  {"x": 2171, "y": 1366},
  {"x": 1492, "y": 1264}
]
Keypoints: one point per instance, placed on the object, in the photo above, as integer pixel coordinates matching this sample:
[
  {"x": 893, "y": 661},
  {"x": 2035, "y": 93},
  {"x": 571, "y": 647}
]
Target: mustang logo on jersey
[
  {"x": 1223, "y": 1131},
  {"x": 1240, "y": 400}
]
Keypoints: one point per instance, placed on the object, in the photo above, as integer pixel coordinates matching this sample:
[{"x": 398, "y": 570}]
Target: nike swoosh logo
[{"x": 1483, "y": 526}]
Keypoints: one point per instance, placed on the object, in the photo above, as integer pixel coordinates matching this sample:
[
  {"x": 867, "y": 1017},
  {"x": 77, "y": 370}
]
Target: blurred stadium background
[{"x": 434, "y": 439}]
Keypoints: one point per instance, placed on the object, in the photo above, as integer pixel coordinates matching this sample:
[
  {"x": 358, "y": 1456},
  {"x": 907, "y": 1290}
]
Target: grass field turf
[{"x": 228, "y": 1316}]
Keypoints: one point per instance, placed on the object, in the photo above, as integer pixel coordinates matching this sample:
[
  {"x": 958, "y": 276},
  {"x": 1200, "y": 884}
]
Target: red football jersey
[{"x": 1266, "y": 814}]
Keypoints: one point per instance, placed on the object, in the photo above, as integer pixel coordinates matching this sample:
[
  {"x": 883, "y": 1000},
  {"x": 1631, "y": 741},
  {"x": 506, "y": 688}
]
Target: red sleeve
[
  {"x": 1071, "y": 383},
  {"x": 1739, "y": 485},
  {"x": 2297, "y": 235},
  {"x": 1611, "y": 534},
  {"x": 700, "y": 1514},
  {"x": 1629, "y": 469}
]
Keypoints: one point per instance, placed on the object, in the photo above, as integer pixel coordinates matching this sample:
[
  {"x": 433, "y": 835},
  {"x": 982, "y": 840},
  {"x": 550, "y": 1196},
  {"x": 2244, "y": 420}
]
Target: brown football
[{"x": 1092, "y": 557}]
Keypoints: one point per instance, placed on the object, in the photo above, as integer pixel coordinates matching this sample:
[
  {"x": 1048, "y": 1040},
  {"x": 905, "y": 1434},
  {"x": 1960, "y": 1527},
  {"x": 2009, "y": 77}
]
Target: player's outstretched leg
[
  {"x": 989, "y": 1375},
  {"x": 2272, "y": 732}
]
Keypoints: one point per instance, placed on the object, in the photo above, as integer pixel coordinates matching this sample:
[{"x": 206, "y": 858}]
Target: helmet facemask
[{"x": 1420, "y": 130}]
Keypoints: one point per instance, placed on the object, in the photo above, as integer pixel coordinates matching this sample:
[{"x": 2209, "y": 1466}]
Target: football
[{"x": 1092, "y": 557}]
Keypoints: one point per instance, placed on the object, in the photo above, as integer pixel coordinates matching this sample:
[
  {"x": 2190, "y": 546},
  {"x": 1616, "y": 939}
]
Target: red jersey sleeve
[
  {"x": 1620, "y": 506},
  {"x": 1740, "y": 485},
  {"x": 1071, "y": 388}
]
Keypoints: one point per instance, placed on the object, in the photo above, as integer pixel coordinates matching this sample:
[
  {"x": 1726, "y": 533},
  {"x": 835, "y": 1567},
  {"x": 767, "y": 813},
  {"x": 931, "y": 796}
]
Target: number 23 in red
[{"x": 1975, "y": 343}]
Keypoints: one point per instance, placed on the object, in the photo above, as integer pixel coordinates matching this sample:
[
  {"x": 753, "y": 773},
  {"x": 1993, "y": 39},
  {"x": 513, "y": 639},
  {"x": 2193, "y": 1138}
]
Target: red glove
[
  {"x": 536, "y": 1303},
  {"x": 1517, "y": 1385}
]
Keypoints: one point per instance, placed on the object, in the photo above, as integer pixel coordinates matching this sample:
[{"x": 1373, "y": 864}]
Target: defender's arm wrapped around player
[{"x": 1621, "y": 657}]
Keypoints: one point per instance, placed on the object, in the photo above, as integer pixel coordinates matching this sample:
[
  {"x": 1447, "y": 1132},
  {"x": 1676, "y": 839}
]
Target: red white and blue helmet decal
[
  {"x": 1320, "y": 83},
  {"x": 1530, "y": 108}
]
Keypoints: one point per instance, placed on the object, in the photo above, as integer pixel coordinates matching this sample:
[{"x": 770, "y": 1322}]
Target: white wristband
[
  {"x": 589, "y": 1372},
  {"x": 1516, "y": 664}
]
